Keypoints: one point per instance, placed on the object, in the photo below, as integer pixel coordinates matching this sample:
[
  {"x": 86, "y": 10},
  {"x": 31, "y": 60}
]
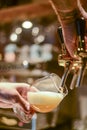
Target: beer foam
[{"x": 44, "y": 97}]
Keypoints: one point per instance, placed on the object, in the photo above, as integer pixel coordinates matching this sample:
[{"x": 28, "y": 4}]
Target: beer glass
[
  {"x": 44, "y": 96},
  {"x": 47, "y": 93}
]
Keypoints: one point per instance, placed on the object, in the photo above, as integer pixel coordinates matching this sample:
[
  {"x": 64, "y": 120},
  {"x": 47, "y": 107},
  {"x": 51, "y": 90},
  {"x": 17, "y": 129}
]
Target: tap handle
[
  {"x": 59, "y": 31},
  {"x": 60, "y": 34},
  {"x": 80, "y": 27},
  {"x": 64, "y": 57},
  {"x": 81, "y": 23}
]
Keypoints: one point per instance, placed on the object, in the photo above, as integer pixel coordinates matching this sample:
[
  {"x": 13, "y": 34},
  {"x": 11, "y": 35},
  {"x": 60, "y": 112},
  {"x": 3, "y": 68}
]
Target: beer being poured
[{"x": 43, "y": 101}]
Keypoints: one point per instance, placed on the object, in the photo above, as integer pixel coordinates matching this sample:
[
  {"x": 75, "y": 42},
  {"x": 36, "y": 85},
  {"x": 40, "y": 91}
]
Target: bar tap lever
[
  {"x": 81, "y": 72},
  {"x": 64, "y": 59},
  {"x": 74, "y": 79},
  {"x": 66, "y": 72},
  {"x": 60, "y": 34},
  {"x": 64, "y": 56},
  {"x": 80, "y": 27},
  {"x": 59, "y": 31}
]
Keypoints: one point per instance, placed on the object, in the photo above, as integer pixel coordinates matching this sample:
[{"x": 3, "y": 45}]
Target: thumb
[{"x": 24, "y": 103}]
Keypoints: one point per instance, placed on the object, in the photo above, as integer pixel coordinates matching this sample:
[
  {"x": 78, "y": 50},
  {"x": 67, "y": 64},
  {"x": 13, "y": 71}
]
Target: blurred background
[{"x": 29, "y": 49}]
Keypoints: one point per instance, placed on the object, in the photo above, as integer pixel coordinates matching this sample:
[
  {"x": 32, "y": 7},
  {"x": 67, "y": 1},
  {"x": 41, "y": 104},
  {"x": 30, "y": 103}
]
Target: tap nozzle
[
  {"x": 66, "y": 72},
  {"x": 81, "y": 72}
]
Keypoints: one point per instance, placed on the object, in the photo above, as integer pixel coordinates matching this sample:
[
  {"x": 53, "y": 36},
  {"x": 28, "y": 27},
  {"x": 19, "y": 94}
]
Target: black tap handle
[
  {"x": 60, "y": 34},
  {"x": 59, "y": 31},
  {"x": 80, "y": 26}
]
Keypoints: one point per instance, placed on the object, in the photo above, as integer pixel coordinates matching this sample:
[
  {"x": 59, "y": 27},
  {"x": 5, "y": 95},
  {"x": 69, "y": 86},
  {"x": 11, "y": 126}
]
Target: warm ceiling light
[
  {"x": 18, "y": 30},
  {"x": 27, "y": 24},
  {"x": 39, "y": 39},
  {"x": 35, "y": 31},
  {"x": 25, "y": 64},
  {"x": 13, "y": 37}
]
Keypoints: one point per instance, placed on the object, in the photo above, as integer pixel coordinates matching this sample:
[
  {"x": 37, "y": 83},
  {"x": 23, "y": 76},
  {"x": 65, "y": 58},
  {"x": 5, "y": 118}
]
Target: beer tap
[
  {"x": 64, "y": 56},
  {"x": 80, "y": 27},
  {"x": 81, "y": 72},
  {"x": 64, "y": 59},
  {"x": 74, "y": 78},
  {"x": 71, "y": 65},
  {"x": 66, "y": 72},
  {"x": 77, "y": 66},
  {"x": 81, "y": 51},
  {"x": 59, "y": 31}
]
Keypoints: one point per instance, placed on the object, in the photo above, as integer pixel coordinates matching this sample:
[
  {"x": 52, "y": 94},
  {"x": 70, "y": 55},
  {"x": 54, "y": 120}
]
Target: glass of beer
[{"x": 46, "y": 93}]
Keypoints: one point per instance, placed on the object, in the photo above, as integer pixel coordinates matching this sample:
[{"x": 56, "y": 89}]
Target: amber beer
[{"x": 44, "y": 101}]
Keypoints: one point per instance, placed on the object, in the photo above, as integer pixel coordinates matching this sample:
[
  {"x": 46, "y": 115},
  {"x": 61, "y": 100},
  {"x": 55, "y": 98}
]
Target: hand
[
  {"x": 67, "y": 11},
  {"x": 15, "y": 93},
  {"x": 70, "y": 37}
]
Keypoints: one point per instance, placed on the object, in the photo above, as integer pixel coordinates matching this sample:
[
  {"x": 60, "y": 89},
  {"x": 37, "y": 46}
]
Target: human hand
[
  {"x": 15, "y": 94},
  {"x": 70, "y": 38},
  {"x": 67, "y": 12}
]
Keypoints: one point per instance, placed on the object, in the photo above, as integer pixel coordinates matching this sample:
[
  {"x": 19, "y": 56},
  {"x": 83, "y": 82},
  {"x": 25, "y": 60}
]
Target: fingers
[
  {"x": 66, "y": 12},
  {"x": 70, "y": 38},
  {"x": 9, "y": 85},
  {"x": 20, "y": 85},
  {"x": 5, "y": 105},
  {"x": 33, "y": 89},
  {"x": 22, "y": 89},
  {"x": 24, "y": 103},
  {"x": 24, "y": 116},
  {"x": 82, "y": 10},
  {"x": 23, "y": 110},
  {"x": 14, "y": 93}
]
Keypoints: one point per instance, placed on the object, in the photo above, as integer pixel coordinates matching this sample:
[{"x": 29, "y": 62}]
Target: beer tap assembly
[
  {"x": 64, "y": 59},
  {"x": 78, "y": 67},
  {"x": 81, "y": 51}
]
